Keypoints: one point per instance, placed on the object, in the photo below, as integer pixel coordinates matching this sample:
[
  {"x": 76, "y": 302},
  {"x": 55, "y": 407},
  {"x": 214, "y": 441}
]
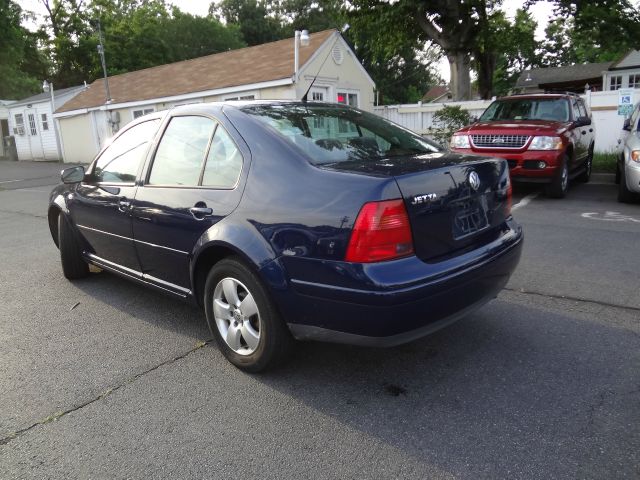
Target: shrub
[{"x": 447, "y": 121}]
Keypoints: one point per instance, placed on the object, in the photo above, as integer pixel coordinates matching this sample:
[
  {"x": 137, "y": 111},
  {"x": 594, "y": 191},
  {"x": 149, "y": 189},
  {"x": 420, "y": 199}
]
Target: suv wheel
[
  {"x": 624, "y": 194},
  {"x": 243, "y": 320},
  {"x": 560, "y": 183},
  {"x": 588, "y": 165}
]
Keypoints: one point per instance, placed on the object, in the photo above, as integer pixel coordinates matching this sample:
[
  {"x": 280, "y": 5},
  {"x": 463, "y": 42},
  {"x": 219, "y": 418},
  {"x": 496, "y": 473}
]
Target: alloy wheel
[
  {"x": 237, "y": 316},
  {"x": 565, "y": 177}
]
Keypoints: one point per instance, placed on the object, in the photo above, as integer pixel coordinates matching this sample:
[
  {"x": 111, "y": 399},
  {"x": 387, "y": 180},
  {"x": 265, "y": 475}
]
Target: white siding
[{"x": 631, "y": 60}]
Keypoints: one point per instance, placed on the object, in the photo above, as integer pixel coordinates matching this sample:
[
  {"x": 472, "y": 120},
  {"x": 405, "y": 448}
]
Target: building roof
[
  {"x": 571, "y": 73},
  {"x": 244, "y": 66},
  {"x": 46, "y": 96},
  {"x": 436, "y": 92}
]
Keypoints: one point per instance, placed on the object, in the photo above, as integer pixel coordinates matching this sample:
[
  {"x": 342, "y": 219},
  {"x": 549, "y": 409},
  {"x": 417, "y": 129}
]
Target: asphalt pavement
[{"x": 101, "y": 378}]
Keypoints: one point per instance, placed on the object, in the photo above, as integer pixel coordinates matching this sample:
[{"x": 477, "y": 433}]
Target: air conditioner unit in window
[{"x": 19, "y": 130}]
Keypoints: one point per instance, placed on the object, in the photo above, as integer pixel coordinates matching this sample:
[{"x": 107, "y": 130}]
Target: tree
[
  {"x": 594, "y": 31},
  {"x": 22, "y": 68},
  {"x": 256, "y": 20},
  {"x": 453, "y": 25},
  {"x": 519, "y": 50}
]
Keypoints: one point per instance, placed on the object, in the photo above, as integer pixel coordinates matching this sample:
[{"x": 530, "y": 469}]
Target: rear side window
[
  {"x": 182, "y": 151},
  {"x": 331, "y": 135},
  {"x": 224, "y": 162},
  {"x": 121, "y": 160}
]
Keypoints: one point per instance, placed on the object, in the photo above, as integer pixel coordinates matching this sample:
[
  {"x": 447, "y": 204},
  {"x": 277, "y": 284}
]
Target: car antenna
[{"x": 304, "y": 97}]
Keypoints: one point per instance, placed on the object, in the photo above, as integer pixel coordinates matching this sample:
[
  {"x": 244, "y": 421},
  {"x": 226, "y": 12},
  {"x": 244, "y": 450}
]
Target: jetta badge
[
  {"x": 474, "y": 180},
  {"x": 428, "y": 197}
]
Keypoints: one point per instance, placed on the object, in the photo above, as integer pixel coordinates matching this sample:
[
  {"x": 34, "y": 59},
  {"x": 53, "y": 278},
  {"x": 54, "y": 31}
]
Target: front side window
[
  {"x": 554, "y": 109},
  {"x": 615, "y": 82},
  {"x": 224, "y": 162},
  {"x": 334, "y": 135},
  {"x": 120, "y": 161},
  {"x": 181, "y": 152}
]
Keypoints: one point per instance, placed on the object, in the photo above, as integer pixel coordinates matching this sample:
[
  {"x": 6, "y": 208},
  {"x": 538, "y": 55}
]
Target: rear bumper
[
  {"x": 521, "y": 163},
  {"x": 386, "y": 310}
]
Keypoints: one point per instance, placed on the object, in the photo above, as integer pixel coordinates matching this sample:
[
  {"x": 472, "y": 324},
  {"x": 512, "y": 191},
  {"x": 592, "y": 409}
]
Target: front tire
[
  {"x": 73, "y": 265},
  {"x": 242, "y": 318},
  {"x": 624, "y": 194},
  {"x": 588, "y": 165},
  {"x": 560, "y": 183}
]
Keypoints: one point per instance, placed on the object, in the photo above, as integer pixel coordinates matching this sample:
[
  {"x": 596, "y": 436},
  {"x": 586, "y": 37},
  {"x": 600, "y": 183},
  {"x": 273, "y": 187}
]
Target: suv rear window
[
  {"x": 553, "y": 109},
  {"x": 332, "y": 135}
]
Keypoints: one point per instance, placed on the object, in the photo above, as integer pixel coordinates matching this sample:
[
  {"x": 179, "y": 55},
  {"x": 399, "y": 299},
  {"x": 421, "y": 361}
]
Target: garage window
[
  {"x": 142, "y": 112},
  {"x": 347, "y": 98},
  {"x": 634, "y": 81},
  {"x": 615, "y": 82},
  {"x": 45, "y": 122}
]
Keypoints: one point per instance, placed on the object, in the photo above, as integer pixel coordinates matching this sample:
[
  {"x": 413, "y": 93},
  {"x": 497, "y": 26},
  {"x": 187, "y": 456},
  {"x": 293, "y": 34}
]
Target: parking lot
[{"x": 102, "y": 378}]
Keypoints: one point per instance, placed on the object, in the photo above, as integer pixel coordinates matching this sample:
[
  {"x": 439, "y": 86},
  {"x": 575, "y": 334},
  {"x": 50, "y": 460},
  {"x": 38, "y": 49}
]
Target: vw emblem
[{"x": 474, "y": 180}]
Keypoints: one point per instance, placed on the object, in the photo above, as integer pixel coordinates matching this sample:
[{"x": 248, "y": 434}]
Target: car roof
[{"x": 539, "y": 95}]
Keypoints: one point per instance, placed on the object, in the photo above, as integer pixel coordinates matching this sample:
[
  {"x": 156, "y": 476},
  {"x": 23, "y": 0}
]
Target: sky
[{"x": 542, "y": 12}]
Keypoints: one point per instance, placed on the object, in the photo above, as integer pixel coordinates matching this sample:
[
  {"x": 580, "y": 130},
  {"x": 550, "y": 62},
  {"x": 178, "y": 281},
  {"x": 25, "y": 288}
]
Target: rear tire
[
  {"x": 560, "y": 183},
  {"x": 242, "y": 318},
  {"x": 624, "y": 194},
  {"x": 73, "y": 265},
  {"x": 588, "y": 165}
]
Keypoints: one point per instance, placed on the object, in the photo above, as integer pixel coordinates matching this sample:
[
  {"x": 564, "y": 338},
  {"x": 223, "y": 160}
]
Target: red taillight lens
[{"x": 381, "y": 232}]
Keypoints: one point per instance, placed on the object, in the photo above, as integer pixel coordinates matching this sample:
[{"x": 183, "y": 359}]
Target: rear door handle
[
  {"x": 200, "y": 212},
  {"x": 123, "y": 204}
]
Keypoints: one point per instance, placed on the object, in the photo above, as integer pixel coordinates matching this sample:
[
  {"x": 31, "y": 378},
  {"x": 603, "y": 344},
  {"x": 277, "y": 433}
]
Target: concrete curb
[{"x": 603, "y": 177}]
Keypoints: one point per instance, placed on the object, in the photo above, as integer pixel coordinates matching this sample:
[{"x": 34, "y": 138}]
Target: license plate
[{"x": 469, "y": 217}]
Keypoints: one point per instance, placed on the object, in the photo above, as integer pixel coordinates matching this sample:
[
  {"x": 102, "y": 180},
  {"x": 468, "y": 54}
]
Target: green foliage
[
  {"x": 255, "y": 19},
  {"x": 20, "y": 60},
  {"x": 519, "y": 51},
  {"x": 447, "y": 121},
  {"x": 591, "y": 32}
]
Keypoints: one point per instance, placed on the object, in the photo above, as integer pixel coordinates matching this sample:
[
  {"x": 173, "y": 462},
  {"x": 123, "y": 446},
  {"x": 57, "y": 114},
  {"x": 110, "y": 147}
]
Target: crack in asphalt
[
  {"x": 55, "y": 416},
  {"x": 575, "y": 299},
  {"x": 24, "y": 213}
]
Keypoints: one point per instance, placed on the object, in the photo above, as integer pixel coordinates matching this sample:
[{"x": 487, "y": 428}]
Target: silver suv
[{"x": 628, "y": 168}]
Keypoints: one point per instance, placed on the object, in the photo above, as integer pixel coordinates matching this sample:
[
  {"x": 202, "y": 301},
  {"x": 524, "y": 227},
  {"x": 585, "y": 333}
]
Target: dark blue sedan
[{"x": 291, "y": 221}]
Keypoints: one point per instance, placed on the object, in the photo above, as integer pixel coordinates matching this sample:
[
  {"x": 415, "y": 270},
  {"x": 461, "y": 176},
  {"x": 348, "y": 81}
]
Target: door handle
[
  {"x": 200, "y": 212},
  {"x": 123, "y": 204}
]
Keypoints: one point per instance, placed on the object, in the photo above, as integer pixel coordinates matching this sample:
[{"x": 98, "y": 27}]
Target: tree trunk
[
  {"x": 486, "y": 65},
  {"x": 459, "y": 66}
]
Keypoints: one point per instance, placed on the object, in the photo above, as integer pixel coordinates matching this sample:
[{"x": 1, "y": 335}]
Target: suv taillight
[{"x": 381, "y": 232}]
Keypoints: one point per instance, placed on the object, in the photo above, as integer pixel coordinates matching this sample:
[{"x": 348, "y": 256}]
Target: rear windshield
[
  {"x": 556, "y": 109},
  {"x": 332, "y": 135}
]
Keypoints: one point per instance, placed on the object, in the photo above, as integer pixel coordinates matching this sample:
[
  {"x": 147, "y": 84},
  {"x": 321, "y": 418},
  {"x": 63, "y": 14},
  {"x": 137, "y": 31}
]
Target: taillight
[{"x": 381, "y": 232}]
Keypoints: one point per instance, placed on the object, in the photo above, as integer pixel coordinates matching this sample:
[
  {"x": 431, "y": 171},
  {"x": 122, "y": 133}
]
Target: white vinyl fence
[{"x": 604, "y": 110}]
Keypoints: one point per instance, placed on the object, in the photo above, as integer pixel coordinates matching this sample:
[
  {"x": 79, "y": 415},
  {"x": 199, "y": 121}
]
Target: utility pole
[{"x": 104, "y": 63}]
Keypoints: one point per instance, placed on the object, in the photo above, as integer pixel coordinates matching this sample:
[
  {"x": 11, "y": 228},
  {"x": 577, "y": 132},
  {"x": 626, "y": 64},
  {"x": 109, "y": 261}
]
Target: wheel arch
[
  {"x": 224, "y": 241},
  {"x": 56, "y": 207}
]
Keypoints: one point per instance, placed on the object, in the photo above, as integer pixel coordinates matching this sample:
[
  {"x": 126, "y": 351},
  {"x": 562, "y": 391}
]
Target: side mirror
[
  {"x": 627, "y": 124},
  {"x": 72, "y": 174},
  {"x": 582, "y": 121}
]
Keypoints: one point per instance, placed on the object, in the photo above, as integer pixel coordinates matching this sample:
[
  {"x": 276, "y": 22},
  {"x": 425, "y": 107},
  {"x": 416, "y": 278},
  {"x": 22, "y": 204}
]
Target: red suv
[{"x": 545, "y": 138}]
